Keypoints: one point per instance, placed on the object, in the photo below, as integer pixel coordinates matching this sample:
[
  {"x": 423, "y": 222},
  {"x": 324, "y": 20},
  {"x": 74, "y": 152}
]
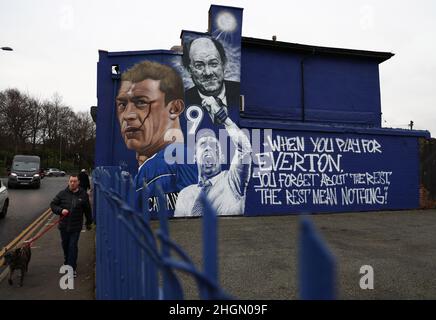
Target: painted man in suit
[{"x": 205, "y": 59}]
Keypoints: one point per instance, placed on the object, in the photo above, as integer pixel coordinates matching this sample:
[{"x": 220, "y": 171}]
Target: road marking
[
  {"x": 31, "y": 228},
  {"x": 26, "y": 232}
]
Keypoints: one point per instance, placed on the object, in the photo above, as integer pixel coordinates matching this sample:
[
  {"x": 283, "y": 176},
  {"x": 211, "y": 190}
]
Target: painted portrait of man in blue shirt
[{"x": 149, "y": 103}]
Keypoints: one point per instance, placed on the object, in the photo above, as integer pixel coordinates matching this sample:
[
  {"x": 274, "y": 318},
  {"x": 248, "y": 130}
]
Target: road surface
[{"x": 26, "y": 204}]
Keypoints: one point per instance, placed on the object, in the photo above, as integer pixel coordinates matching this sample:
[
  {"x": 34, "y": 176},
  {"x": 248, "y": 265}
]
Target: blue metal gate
[{"x": 130, "y": 255}]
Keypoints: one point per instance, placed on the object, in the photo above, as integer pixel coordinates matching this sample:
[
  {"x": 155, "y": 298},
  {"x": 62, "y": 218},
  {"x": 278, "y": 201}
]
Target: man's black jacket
[
  {"x": 84, "y": 181},
  {"x": 77, "y": 203}
]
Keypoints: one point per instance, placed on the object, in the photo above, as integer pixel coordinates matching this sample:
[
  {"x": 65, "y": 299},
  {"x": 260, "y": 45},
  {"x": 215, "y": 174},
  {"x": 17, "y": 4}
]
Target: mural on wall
[
  {"x": 149, "y": 104},
  {"x": 225, "y": 189},
  {"x": 205, "y": 59},
  {"x": 317, "y": 172},
  {"x": 211, "y": 71},
  {"x": 211, "y": 64},
  {"x": 311, "y": 170},
  {"x": 174, "y": 128},
  {"x": 180, "y": 116}
]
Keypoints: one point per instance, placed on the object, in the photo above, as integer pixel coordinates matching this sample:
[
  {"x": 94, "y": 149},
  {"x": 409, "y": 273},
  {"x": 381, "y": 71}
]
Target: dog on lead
[{"x": 18, "y": 258}]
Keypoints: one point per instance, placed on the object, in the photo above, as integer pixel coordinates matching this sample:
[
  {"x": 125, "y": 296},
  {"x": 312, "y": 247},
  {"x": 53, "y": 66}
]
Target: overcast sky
[{"x": 56, "y": 42}]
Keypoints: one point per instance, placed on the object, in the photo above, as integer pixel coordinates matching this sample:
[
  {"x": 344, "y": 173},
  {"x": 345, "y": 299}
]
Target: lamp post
[
  {"x": 60, "y": 140},
  {"x": 93, "y": 111},
  {"x": 60, "y": 152}
]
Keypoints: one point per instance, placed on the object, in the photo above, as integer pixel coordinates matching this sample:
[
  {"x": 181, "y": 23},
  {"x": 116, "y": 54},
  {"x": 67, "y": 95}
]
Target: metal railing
[
  {"x": 135, "y": 262},
  {"x": 130, "y": 255}
]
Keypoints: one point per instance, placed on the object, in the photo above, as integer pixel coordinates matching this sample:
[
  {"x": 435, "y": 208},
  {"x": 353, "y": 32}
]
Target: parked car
[
  {"x": 4, "y": 200},
  {"x": 53, "y": 172}
]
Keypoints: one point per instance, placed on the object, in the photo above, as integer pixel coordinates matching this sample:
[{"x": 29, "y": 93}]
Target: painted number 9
[{"x": 194, "y": 114}]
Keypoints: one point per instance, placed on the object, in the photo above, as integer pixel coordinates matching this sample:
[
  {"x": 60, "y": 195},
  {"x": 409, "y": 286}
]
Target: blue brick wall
[
  {"x": 339, "y": 90},
  {"x": 303, "y": 97},
  {"x": 334, "y": 172}
]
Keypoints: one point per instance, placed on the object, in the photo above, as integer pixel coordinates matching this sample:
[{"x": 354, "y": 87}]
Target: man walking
[
  {"x": 71, "y": 203},
  {"x": 84, "y": 180}
]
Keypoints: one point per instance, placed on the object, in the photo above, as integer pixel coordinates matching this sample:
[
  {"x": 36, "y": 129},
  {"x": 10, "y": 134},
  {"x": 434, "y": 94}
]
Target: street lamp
[
  {"x": 7, "y": 49},
  {"x": 60, "y": 152},
  {"x": 60, "y": 140},
  {"x": 94, "y": 113}
]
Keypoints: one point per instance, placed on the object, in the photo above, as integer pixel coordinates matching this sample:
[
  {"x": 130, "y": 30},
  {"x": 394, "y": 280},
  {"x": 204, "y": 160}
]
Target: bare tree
[
  {"x": 48, "y": 128},
  {"x": 35, "y": 120},
  {"x": 16, "y": 116},
  {"x": 85, "y": 132}
]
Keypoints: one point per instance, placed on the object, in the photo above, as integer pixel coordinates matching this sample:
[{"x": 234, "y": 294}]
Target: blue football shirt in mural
[{"x": 168, "y": 169}]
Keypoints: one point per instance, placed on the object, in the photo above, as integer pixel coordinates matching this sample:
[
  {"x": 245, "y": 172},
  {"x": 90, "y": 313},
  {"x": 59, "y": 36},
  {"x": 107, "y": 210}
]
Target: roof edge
[{"x": 377, "y": 55}]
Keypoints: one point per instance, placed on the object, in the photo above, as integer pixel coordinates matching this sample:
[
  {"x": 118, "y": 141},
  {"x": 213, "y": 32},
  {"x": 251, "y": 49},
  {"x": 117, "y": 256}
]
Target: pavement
[
  {"x": 258, "y": 256},
  {"x": 42, "y": 280}
]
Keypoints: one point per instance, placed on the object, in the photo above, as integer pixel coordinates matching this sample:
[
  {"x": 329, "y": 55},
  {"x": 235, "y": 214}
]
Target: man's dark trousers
[{"x": 70, "y": 242}]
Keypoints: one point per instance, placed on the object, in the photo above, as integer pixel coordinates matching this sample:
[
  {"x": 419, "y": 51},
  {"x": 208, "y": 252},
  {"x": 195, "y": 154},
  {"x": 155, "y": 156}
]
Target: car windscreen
[{"x": 25, "y": 166}]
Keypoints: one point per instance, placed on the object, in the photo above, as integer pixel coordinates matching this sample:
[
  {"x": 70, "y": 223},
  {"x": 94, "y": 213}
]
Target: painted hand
[
  {"x": 216, "y": 109},
  {"x": 211, "y": 105}
]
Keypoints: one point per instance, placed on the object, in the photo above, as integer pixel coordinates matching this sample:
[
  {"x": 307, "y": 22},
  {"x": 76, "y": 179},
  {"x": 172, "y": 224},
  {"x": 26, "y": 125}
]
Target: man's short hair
[
  {"x": 74, "y": 176},
  {"x": 170, "y": 81},
  {"x": 187, "y": 47},
  {"x": 205, "y": 133}
]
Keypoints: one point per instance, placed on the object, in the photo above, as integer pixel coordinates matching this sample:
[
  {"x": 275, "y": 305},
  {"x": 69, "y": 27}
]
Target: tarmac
[{"x": 258, "y": 257}]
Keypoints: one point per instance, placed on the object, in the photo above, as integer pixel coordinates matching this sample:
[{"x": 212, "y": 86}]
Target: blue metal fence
[
  {"x": 317, "y": 266},
  {"x": 130, "y": 256}
]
